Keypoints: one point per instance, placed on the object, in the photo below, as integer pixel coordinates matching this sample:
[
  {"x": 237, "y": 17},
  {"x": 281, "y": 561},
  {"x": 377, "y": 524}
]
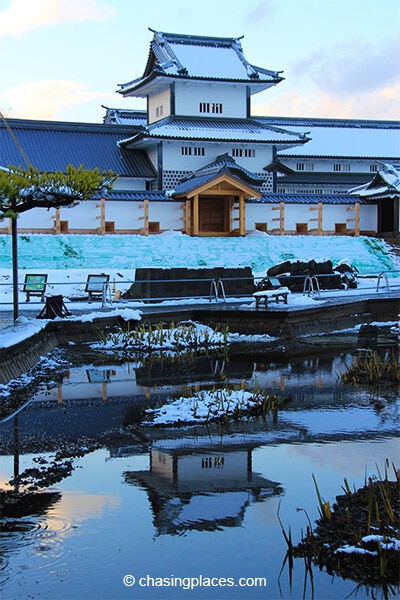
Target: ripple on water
[{"x": 42, "y": 534}]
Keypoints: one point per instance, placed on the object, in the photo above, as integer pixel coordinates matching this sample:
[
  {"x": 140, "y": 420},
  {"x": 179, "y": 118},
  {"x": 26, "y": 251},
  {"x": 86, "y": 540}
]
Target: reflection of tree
[
  {"x": 15, "y": 525},
  {"x": 22, "y": 504}
]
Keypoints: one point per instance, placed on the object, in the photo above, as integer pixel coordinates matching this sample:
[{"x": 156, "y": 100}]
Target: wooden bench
[
  {"x": 35, "y": 285},
  {"x": 280, "y": 294},
  {"x": 96, "y": 285}
]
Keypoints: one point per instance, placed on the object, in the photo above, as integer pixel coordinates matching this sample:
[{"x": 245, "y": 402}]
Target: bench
[
  {"x": 96, "y": 285},
  {"x": 280, "y": 294},
  {"x": 35, "y": 285}
]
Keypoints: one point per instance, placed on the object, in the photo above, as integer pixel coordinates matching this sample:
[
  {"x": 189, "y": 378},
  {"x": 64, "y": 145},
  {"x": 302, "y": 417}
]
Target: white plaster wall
[
  {"x": 167, "y": 213},
  {"x": 129, "y": 183},
  {"x": 125, "y": 214},
  {"x": 336, "y": 213},
  {"x": 174, "y": 160},
  {"x": 82, "y": 216},
  {"x": 37, "y": 218},
  {"x": 295, "y": 213},
  {"x": 189, "y": 95},
  {"x": 260, "y": 213},
  {"x": 368, "y": 217},
  {"x": 161, "y": 99},
  {"x": 326, "y": 164}
]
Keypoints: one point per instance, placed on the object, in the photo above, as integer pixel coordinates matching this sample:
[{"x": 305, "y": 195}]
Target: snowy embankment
[
  {"x": 257, "y": 250},
  {"x": 68, "y": 259}
]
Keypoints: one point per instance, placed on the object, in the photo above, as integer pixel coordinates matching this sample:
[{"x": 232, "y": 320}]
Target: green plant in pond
[
  {"x": 358, "y": 537},
  {"x": 324, "y": 506},
  {"x": 147, "y": 336},
  {"x": 369, "y": 367}
]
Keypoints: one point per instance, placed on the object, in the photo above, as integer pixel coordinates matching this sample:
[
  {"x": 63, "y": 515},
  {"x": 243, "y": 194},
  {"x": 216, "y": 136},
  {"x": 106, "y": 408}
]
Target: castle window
[
  {"x": 309, "y": 166},
  {"x": 300, "y": 167},
  {"x": 373, "y": 168},
  {"x": 210, "y": 107},
  {"x": 337, "y": 167},
  {"x": 249, "y": 152},
  {"x": 346, "y": 168},
  {"x": 159, "y": 111},
  {"x": 195, "y": 150}
]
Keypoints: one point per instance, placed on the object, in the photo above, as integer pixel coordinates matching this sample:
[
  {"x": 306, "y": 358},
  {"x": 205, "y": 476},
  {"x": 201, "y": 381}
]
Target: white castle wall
[{"x": 189, "y": 95}]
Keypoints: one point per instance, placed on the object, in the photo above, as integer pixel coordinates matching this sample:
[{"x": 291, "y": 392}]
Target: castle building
[{"x": 197, "y": 161}]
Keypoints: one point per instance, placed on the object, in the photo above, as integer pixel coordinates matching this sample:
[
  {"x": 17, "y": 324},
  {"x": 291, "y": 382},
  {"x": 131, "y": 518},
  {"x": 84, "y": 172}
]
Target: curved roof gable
[
  {"x": 227, "y": 164},
  {"x": 385, "y": 183},
  {"x": 200, "y": 57}
]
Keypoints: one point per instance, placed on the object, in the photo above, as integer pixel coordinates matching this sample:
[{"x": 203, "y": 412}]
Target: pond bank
[{"x": 290, "y": 324}]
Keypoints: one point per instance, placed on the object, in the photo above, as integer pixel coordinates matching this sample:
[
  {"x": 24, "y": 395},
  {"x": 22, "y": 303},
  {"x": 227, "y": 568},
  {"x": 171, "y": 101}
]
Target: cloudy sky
[{"x": 64, "y": 59}]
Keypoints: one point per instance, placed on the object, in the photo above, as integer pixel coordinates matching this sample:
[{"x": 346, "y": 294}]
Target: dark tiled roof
[
  {"x": 120, "y": 116},
  {"x": 51, "y": 146},
  {"x": 323, "y": 178},
  {"x": 126, "y": 195},
  {"x": 191, "y": 184},
  {"x": 307, "y": 199},
  {"x": 186, "y": 187}
]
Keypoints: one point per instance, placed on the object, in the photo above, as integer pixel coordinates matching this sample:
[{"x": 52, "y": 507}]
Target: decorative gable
[{"x": 189, "y": 57}]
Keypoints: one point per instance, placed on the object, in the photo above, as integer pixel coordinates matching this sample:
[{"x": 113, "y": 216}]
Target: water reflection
[
  {"x": 202, "y": 490},
  {"x": 200, "y": 500},
  {"x": 94, "y": 399}
]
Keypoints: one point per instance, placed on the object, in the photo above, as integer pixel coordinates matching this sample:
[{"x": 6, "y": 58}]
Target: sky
[{"x": 63, "y": 59}]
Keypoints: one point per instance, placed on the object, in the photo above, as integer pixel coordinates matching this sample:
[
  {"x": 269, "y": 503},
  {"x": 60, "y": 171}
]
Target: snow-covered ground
[
  {"x": 69, "y": 259},
  {"x": 124, "y": 253}
]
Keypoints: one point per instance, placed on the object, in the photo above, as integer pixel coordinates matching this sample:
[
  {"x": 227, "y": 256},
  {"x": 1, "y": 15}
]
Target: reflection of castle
[{"x": 202, "y": 491}]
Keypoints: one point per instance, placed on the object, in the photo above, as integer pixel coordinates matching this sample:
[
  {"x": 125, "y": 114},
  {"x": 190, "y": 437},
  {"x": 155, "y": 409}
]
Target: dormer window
[{"x": 210, "y": 107}]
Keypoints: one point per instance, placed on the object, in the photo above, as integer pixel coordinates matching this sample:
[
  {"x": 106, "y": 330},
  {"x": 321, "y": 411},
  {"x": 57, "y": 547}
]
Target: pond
[{"x": 127, "y": 511}]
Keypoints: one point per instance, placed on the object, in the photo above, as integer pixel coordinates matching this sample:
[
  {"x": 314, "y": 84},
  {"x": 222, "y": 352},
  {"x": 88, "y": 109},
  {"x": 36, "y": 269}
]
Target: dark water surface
[{"x": 192, "y": 514}]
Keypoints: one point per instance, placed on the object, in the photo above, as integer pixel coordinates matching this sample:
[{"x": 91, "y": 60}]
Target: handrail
[
  {"x": 214, "y": 289},
  {"x": 309, "y": 282},
  {"x": 384, "y": 275},
  {"x": 215, "y": 285},
  {"x": 106, "y": 292}
]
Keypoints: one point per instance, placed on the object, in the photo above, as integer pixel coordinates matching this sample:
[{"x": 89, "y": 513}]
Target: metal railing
[
  {"x": 384, "y": 275},
  {"x": 311, "y": 286},
  {"x": 216, "y": 286},
  {"x": 215, "y": 289}
]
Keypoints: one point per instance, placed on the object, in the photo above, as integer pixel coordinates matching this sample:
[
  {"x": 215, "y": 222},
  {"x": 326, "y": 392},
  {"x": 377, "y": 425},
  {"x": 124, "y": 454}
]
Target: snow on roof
[
  {"x": 192, "y": 128},
  {"x": 201, "y": 57},
  {"x": 356, "y": 141},
  {"x": 386, "y": 182},
  {"x": 121, "y": 116}
]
